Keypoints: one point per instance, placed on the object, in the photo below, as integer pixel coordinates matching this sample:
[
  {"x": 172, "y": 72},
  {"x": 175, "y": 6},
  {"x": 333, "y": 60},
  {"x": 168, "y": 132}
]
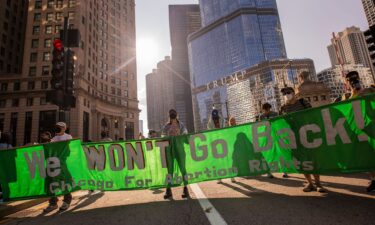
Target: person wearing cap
[
  {"x": 292, "y": 104},
  {"x": 60, "y": 129},
  {"x": 174, "y": 127},
  {"x": 353, "y": 80},
  {"x": 152, "y": 134}
]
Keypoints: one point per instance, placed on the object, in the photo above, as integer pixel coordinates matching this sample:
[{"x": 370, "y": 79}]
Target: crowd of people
[{"x": 174, "y": 127}]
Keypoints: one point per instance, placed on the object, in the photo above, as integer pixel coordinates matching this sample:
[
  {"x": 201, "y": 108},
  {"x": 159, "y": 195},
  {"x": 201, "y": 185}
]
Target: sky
[{"x": 307, "y": 27}]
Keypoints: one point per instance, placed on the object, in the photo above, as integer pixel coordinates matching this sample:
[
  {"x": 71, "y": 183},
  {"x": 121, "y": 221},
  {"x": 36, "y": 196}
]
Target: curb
[{"x": 9, "y": 208}]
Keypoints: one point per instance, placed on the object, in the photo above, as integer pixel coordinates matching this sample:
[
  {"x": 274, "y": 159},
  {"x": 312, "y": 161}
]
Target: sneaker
[
  {"x": 321, "y": 189},
  {"x": 285, "y": 175},
  {"x": 371, "y": 187},
  {"x": 309, "y": 188},
  {"x": 168, "y": 193},
  {"x": 185, "y": 193},
  {"x": 64, "y": 206},
  {"x": 50, "y": 208},
  {"x": 233, "y": 180},
  {"x": 270, "y": 175}
]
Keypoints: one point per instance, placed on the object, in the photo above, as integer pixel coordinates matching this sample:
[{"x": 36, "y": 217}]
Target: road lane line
[{"x": 209, "y": 210}]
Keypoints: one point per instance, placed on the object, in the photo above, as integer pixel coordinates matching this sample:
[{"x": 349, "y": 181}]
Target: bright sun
[{"x": 147, "y": 51}]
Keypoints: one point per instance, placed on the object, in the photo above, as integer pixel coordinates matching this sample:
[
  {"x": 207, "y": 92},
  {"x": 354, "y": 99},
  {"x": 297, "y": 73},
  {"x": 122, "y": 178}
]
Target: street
[{"x": 257, "y": 200}]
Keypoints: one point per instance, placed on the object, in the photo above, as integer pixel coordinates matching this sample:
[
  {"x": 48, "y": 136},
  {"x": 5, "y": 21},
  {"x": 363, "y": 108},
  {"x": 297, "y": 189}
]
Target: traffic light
[
  {"x": 370, "y": 40},
  {"x": 69, "y": 80},
  {"x": 56, "y": 95}
]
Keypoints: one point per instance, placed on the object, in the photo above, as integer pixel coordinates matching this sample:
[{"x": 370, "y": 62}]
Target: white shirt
[{"x": 63, "y": 137}]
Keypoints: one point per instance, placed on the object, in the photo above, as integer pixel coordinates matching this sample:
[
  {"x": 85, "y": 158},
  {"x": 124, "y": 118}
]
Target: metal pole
[{"x": 62, "y": 114}]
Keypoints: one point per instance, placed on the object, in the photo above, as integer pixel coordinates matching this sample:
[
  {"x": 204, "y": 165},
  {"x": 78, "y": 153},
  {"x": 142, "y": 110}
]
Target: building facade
[
  {"x": 183, "y": 20},
  {"x": 105, "y": 79},
  {"x": 13, "y": 19},
  {"x": 235, "y": 36},
  {"x": 160, "y": 94},
  {"x": 369, "y": 6},
  {"x": 263, "y": 83},
  {"x": 333, "y": 79},
  {"x": 351, "y": 48}
]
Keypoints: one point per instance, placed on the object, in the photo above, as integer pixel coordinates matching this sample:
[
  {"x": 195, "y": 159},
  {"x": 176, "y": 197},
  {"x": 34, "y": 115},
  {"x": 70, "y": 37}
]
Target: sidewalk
[{"x": 8, "y": 208}]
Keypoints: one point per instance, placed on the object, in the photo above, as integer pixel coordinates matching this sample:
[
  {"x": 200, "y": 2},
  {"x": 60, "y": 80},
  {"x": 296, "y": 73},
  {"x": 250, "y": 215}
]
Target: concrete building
[
  {"x": 249, "y": 89},
  {"x": 313, "y": 91},
  {"x": 351, "y": 48},
  {"x": 105, "y": 80},
  {"x": 183, "y": 20},
  {"x": 13, "y": 19},
  {"x": 334, "y": 81},
  {"x": 235, "y": 36},
  {"x": 369, "y": 7},
  {"x": 160, "y": 94}
]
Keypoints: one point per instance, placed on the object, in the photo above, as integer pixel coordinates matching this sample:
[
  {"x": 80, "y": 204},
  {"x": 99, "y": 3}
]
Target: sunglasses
[{"x": 287, "y": 93}]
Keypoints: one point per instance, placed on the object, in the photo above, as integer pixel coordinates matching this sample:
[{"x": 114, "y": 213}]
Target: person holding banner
[
  {"x": 294, "y": 105},
  {"x": 352, "y": 80},
  {"x": 175, "y": 128},
  {"x": 60, "y": 129}
]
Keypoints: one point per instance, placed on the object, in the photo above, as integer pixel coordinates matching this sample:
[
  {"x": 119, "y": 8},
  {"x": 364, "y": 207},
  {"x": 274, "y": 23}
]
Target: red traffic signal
[{"x": 58, "y": 45}]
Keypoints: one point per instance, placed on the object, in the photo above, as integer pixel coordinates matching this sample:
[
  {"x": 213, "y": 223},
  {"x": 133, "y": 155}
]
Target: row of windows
[
  {"x": 58, "y": 4},
  {"x": 16, "y": 102},
  {"x": 4, "y": 87},
  {"x": 51, "y": 16},
  {"x": 46, "y": 56}
]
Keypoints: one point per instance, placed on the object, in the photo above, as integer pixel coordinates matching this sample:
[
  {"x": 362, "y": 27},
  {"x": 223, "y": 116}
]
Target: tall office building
[
  {"x": 183, "y": 20},
  {"x": 236, "y": 35},
  {"x": 105, "y": 80},
  {"x": 13, "y": 19},
  {"x": 369, "y": 6},
  {"x": 351, "y": 48},
  {"x": 160, "y": 94}
]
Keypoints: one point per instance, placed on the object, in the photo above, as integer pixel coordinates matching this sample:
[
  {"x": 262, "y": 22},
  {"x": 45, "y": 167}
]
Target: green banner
[{"x": 339, "y": 138}]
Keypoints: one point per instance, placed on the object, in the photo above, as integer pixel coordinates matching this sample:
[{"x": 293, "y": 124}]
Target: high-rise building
[
  {"x": 332, "y": 78},
  {"x": 183, "y": 20},
  {"x": 105, "y": 80},
  {"x": 369, "y": 6},
  {"x": 262, "y": 83},
  {"x": 13, "y": 19},
  {"x": 235, "y": 36},
  {"x": 351, "y": 48},
  {"x": 160, "y": 94}
]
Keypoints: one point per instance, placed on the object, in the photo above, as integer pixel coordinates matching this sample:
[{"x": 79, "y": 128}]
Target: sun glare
[{"x": 147, "y": 51}]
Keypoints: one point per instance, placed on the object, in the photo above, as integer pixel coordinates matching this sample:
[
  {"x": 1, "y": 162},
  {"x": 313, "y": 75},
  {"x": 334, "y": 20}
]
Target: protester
[
  {"x": 294, "y": 105},
  {"x": 141, "y": 136},
  {"x": 265, "y": 115},
  {"x": 216, "y": 122},
  {"x": 152, "y": 134},
  {"x": 5, "y": 143},
  {"x": 104, "y": 136},
  {"x": 232, "y": 122},
  {"x": 60, "y": 129},
  {"x": 352, "y": 79},
  {"x": 174, "y": 128}
]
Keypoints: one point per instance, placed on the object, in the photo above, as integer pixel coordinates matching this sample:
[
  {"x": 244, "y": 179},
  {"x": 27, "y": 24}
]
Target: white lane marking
[{"x": 212, "y": 214}]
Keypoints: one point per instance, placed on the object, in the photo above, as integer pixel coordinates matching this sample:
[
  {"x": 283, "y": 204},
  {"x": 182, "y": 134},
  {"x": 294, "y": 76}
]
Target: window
[
  {"x": 29, "y": 102},
  {"x": 48, "y": 29},
  {"x": 4, "y": 87},
  {"x": 33, "y": 57},
  {"x": 71, "y": 15},
  {"x": 38, "y": 4},
  {"x": 58, "y": 28},
  {"x": 126, "y": 93},
  {"x": 126, "y": 83},
  {"x": 37, "y": 17},
  {"x": 59, "y": 16},
  {"x": 71, "y": 3},
  {"x": 44, "y": 85},
  {"x": 46, "y": 56},
  {"x": 15, "y": 102},
  {"x": 30, "y": 85},
  {"x": 316, "y": 98},
  {"x": 36, "y": 30},
  {"x": 16, "y": 86},
  {"x": 323, "y": 97},
  {"x": 34, "y": 43},
  {"x": 59, "y": 4},
  {"x": 3, "y": 103},
  {"x": 45, "y": 70},
  {"x": 43, "y": 101},
  {"x": 32, "y": 71},
  {"x": 49, "y": 16},
  {"x": 50, "y": 3},
  {"x": 47, "y": 43}
]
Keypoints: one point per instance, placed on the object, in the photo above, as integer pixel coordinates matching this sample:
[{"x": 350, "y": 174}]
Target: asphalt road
[{"x": 257, "y": 200}]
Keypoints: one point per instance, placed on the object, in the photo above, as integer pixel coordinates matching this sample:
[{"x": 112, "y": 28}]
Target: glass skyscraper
[{"x": 236, "y": 35}]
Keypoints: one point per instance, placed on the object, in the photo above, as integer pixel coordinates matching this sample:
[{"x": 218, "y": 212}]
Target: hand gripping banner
[{"x": 338, "y": 138}]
